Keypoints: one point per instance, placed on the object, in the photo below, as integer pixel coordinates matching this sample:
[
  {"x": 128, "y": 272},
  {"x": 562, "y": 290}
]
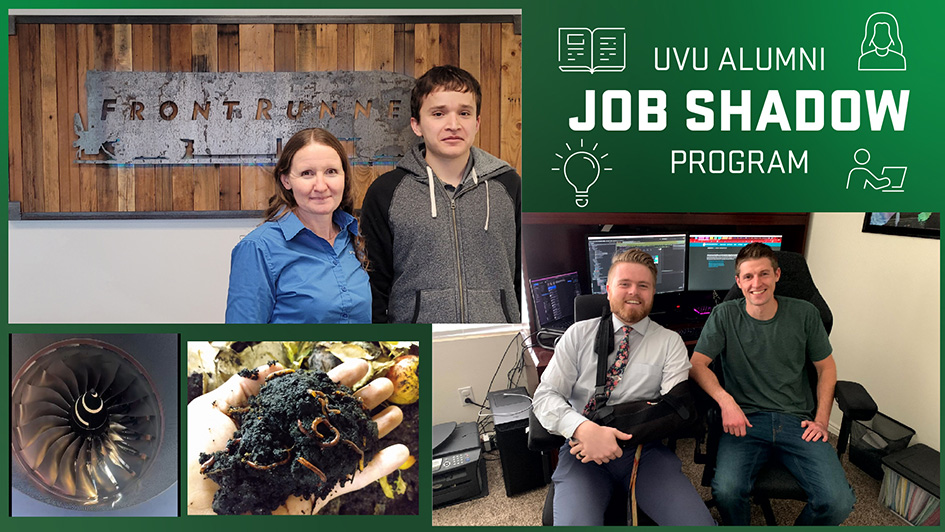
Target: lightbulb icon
[{"x": 581, "y": 170}]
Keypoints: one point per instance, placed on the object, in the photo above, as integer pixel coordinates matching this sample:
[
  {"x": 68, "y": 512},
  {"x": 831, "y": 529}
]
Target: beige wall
[
  {"x": 469, "y": 361},
  {"x": 885, "y": 294}
]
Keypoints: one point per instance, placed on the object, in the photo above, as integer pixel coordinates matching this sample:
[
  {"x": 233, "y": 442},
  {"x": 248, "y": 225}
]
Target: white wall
[
  {"x": 121, "y": 271},
  {"x": 885, "y": 294},
  {"x": 470, "y": 361}
]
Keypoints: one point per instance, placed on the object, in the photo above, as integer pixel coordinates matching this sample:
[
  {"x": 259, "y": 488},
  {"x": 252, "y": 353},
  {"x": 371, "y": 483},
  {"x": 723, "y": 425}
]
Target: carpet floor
[{"x": 498, "y": 509}]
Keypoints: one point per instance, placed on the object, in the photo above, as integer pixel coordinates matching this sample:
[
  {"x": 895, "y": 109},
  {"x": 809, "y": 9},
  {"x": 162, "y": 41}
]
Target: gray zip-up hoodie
[{"x": 444, "y": 256}]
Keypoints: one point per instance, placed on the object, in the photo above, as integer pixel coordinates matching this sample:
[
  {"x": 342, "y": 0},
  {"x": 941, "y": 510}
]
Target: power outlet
[{"x": 466, "y": 392}]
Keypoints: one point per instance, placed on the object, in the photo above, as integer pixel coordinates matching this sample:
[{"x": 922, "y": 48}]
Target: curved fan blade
[
  {"x": 48, "y": 468},
  {"x": 39, "y": 394},
  {"x": 35, "y": 452},
  {"x": 56, "y": 384},
  {"x": 85, "y": 488},
  {"x": 67, "y": 467},
  {"x": 35, "y": 409},
  {"x": 66, "y": 375},
  {"x": 32, "y": 431}
]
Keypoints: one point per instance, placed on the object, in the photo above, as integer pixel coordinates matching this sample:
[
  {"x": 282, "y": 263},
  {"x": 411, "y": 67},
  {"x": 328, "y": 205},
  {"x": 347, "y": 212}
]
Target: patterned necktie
[{"x": 616, "y": 371}]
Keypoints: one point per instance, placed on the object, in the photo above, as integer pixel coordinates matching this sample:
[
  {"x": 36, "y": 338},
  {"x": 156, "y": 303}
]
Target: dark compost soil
[
  {"x": 371, "y": 500},
  {"x": 300, "y": 436}
]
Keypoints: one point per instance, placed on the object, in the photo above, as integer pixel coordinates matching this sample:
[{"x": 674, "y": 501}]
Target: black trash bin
[{"x": 871, "y": 440}]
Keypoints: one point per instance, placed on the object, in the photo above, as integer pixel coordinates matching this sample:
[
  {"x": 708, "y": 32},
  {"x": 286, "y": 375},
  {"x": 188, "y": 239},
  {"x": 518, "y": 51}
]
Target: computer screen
[
  {"x": 668, "y": 251},
  {"x": 712, "y": 258},
  {"x": 554, "y": 299}
]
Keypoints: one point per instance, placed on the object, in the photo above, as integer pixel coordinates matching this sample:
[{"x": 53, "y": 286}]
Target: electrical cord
[
  {"x": 541, "y": 335},
  {"x": 471, "y": 402},
  {"x": 526, "y": 409},
  {"x": 514, "y": 376}
]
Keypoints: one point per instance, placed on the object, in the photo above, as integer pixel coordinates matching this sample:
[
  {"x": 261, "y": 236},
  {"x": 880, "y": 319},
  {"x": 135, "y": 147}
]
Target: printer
[{"x": 459, "y": 470}]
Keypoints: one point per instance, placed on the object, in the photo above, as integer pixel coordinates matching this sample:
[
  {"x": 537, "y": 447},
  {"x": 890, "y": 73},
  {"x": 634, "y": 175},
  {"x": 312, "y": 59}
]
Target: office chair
[
  {"x": 539, "y": 439},
  {"x": 774, "y": 481}
]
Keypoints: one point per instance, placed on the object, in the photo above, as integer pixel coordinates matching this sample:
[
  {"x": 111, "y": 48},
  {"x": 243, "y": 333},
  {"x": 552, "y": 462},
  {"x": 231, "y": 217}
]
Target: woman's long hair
[
  {"x": 877, "y": 18},
  {"x": 283, "y": 200}
]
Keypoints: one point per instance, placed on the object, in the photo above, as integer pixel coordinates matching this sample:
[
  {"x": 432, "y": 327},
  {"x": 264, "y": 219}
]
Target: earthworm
[
  {"x": 334, "y": 441},
  {"x": 315, "y": 423},
  {"x": 317, "y": 394},
  {"x": 356, "y": 448},
  {"x": 320, "y": 420},
  {"x": 253, "y": 465},
  {"x": 314, "y": 469},
  {"x": 206, "y": 465},
  {"x": 279, "y": 373},
  {"x": 323, "y": 399},
  {"x": 233, "y": 444},
  {"x": 302, "y": 429}
]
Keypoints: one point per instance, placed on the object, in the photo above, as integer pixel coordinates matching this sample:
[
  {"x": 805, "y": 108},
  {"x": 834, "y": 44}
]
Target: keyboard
[
  {"x": 689, "y": 333},
  {"x": 560, "y": 324}
]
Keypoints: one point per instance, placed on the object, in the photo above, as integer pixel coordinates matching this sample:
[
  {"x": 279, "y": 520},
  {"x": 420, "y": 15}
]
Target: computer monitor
[
  {"x": 668, "y": 252},
  {"x": 553, "y": 297},
  {"x": 712, "y": 258}
]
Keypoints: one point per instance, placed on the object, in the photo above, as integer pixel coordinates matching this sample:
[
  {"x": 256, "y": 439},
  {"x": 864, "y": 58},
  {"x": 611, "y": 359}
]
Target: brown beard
[{"x": 634, "y": 315}]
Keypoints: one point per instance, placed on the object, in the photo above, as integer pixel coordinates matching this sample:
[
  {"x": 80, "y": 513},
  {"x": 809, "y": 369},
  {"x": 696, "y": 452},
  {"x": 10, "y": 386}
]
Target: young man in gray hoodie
[{"x": 443, "y": 228}]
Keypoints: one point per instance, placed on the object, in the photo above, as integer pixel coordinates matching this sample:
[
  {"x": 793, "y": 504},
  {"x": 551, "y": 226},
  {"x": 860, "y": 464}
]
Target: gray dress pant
[{"x": 664, "y": 493}]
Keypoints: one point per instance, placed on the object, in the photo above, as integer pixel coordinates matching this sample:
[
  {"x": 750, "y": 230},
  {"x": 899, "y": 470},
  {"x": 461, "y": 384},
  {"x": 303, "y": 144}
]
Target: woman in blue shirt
[{"x": 306, "y": 262}]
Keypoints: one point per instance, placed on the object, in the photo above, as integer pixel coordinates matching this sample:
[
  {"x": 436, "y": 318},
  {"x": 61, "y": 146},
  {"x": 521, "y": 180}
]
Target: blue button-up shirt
[{"x": 282, "y": 272}]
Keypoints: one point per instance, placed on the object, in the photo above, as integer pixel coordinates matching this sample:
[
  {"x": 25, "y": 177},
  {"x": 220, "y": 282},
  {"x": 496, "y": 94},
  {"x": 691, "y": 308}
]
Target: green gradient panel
[{"x": 641, "y": 174}]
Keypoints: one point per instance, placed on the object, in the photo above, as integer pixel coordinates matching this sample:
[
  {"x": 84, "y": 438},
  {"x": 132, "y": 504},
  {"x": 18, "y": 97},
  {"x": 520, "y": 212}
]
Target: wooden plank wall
[{"x": 48, "y": 65}]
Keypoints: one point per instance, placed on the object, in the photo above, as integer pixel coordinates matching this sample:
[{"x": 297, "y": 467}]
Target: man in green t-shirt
[{"x": 767, "y": 403}]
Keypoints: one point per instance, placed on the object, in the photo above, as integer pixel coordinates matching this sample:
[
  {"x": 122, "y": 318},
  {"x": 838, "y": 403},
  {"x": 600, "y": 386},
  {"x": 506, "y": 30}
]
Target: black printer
[{"x": 459, "y": 472}]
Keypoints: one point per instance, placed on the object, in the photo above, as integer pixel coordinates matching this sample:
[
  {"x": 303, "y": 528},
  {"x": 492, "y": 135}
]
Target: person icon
[
  {"x": 861, "y": 157},
  {"x": 881, "y": 48}
]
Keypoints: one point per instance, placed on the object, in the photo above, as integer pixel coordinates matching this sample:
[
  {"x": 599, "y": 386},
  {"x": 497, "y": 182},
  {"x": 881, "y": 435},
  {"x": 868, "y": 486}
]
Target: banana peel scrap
[{"x": 399, "y": 487}]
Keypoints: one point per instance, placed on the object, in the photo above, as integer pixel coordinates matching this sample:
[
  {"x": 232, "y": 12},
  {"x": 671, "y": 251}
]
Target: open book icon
[{"x": 587, "y": 50}]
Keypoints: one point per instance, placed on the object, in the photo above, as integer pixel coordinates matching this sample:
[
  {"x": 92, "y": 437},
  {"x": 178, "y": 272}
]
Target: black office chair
[
  {"x": 774, "y": 481},
  {"x": 539, "y": 439}
]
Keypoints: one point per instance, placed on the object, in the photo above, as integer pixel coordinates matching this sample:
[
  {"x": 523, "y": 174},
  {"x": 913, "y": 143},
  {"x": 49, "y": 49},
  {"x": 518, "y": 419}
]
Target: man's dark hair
[
  {"x": 756, "y": 250},
  {"x": 447, "y": 78}
]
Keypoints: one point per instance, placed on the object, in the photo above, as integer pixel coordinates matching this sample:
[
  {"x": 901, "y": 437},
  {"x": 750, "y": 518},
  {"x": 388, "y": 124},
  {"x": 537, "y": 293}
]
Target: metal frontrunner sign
[{"x": 196, "y": 118}]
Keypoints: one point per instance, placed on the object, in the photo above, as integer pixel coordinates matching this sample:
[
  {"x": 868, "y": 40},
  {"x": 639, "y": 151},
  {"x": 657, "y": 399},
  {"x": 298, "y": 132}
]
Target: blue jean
[
  {"x": 779, "y": 436},
  {"x": 664, "y": 493}
]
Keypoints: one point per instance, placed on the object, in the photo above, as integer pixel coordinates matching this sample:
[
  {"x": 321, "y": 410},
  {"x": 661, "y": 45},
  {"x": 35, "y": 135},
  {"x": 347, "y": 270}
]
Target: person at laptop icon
[{"x": 648, "y": 360}]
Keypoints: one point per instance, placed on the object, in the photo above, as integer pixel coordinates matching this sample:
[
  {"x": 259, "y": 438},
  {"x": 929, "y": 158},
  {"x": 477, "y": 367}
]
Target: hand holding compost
[{"x": 272, "y": 459}]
